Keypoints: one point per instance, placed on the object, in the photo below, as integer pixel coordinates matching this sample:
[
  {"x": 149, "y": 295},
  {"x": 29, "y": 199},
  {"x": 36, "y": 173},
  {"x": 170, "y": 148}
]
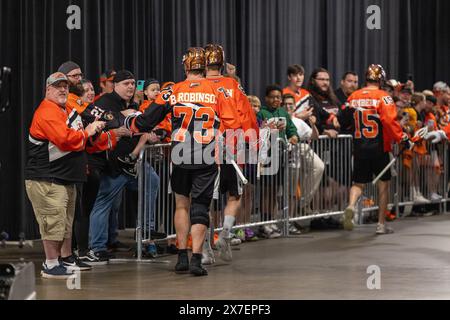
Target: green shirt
[{"x": 267, "y": 113}]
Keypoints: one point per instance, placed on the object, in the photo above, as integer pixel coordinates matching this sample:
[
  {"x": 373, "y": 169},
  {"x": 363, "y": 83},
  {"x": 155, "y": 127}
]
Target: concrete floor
[{"x": 414, "y": 264}]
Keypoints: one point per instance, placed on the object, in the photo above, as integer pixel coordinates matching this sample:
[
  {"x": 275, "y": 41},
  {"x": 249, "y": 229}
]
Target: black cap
[
  {"x": 123, "y": 75},
  {"x": 68, "y": 66},
  {"x": 431, "y": 99},
  {"x": 149, "y": 82},
  {"x": 406, "y": 89}
]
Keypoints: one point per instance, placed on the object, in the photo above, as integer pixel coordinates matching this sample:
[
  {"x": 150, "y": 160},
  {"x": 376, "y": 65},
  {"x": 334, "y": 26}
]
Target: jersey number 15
[{"x": 370, "y": 126}]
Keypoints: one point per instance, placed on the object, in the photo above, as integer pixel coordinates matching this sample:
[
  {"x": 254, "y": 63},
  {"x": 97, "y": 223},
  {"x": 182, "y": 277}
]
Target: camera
[{"x": 5, "y": 89}]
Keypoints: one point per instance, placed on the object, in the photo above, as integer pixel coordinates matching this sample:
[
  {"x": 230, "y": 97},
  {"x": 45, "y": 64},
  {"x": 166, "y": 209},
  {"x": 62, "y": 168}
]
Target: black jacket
[
  {"x": 341, "y": 96},
  {"x": 108, "y": 160}
]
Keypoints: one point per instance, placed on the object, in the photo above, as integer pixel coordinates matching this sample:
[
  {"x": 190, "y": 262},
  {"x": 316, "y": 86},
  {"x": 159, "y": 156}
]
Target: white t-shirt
[{"x": 303, "y": 130}]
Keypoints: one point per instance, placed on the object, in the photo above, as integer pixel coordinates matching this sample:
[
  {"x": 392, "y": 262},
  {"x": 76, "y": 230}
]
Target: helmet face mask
[
  {"x": 215, "y": 55},
  {"x": 376, "y": 73},
  {"x": 194, "y": 59}
]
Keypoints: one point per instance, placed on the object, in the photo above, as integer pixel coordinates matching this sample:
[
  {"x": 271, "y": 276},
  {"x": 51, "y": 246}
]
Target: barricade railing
[
  {"x": 419, "y": 177},
  {"x": 313, "y": 180}
]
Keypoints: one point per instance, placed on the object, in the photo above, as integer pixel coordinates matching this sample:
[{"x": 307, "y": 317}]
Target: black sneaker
[
  {"x": 196, "y": 268},
  {"x": 73, "y": 263},
  {"x": 182, "y": 265},
  {"x": 94, "y": 258},
  {"x": 118, "y": 247}
]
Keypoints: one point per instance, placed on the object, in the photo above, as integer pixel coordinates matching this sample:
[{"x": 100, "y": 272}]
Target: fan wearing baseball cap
[
  {"x": 106, "y": 83},
  {"x": 102, "y": 141},
  {"x": 56, "y": 163}
]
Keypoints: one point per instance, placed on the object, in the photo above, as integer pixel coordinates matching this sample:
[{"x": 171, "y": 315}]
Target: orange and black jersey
[
  {"x": 247, "y": 116},
  {"x": 56, "y": 145},
  {"x": 374, "y": 117},
  {"x": 165, "y": 125},
  {"x": 303, "y": 99},
  {"x": 199, "y": 110},
  {"x": 90, "y": 113}
]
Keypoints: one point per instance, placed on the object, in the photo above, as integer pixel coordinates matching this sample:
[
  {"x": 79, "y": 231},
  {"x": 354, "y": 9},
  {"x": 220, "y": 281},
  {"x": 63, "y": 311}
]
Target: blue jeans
[
  {"x": 114, "y": 219},
  {"x": 152, "y": 190},
  {"x": 108, "y": 202}
]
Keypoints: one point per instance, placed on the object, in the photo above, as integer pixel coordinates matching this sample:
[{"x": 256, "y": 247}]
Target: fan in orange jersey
[
  {"x": 152, "y": 90},
  {"x": 56, "y": 164},
  {"x": 228, "y": 177},
  {"x": 374, "y": 115},
  {"x": 89, "y": 112},
  {"x": 198, "y": 109},
  {"x": 296, "y": 76}
]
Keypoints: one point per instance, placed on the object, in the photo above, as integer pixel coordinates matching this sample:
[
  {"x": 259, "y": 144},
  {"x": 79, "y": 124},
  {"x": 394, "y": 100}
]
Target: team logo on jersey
[
  {"x": 79, "y": 102},
  {"x": 109, "y": 116},
  {"x": 166, "y": 93},
  {"x": 194, "y": 84},
  {"x": 388, "y": 100},
  {"x": 225, "y": 93}
]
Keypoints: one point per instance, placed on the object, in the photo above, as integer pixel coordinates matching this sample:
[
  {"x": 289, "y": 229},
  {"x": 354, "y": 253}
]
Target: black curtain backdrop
[{"x": 148, "y": 37}]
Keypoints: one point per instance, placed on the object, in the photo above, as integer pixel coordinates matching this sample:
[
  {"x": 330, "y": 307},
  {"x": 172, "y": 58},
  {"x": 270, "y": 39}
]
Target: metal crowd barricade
[
  {"x": 423, "y": 172},
  {"x": 154, "y": 158},
  {"x": 416, "y": 173},
  {"x": 319, "y": 177},
  {"x": 264, "y": 200},
  {"x": 312, "y": 181}
]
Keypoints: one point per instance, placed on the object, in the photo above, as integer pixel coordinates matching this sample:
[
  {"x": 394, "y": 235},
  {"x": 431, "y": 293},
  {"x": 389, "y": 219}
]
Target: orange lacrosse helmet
[
  {"x": 215, "y": 55},
  {"x": 194, "y": 59},
  {"x": 375, "y": 72}
]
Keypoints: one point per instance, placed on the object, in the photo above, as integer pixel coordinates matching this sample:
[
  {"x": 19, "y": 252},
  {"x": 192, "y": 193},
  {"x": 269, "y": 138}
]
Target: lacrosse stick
[{"x": 420, "y": 134}]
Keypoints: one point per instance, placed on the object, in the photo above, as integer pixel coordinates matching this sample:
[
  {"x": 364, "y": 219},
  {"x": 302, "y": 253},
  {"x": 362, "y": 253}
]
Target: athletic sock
[
  {"x": 227, "y": 225},
  {"x": 51, "y": 263}
]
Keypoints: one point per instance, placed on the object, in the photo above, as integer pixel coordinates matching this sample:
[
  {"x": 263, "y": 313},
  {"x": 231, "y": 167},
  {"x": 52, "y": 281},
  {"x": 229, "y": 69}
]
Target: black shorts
[
  {"x": 229, "y": 181},
  {"x": 365, "y": 170},
  {"x": 197, "y": 183}
]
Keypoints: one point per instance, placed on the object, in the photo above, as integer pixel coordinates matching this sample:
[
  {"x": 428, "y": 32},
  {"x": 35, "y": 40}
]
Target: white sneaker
[
  {"x": 224, "y": 247},
  {"x": 235, "y": 241},
  {"x": 293, "y": 230},
  {"x": 418, "y": 197},
  {"x": 208, "y": 256},
  {"x": 349, "y": 212},
  {"x": 274, "y": 235},
  {"x": 436, "y": 197},
  {"x": 274, "y": 228},
  {"x": 383, "y": 229},
  {"x": 267, "y": 232}
]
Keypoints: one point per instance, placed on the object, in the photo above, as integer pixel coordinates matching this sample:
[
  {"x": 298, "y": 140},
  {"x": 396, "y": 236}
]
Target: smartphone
[
  {"x": 272, "y": 120},
  {"x": 282, "y": 121},
  {"x": 140, "y": 85}
]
